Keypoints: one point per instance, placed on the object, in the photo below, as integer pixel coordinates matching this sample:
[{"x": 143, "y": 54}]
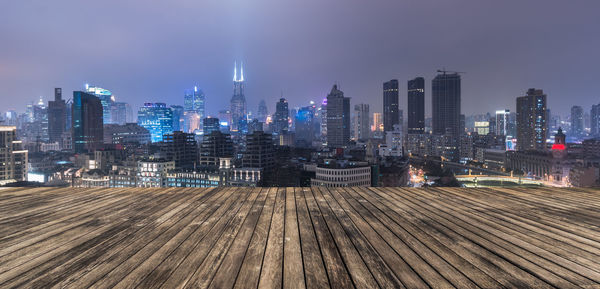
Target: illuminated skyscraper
[
  {"x": 377, "y": 122},
  {"x": 238, "y": 100},
  {"x": 502, "y": 122},
  {"x": 194, "y": 100},
  {"x": 416, "y": 106},
  {"x": 531, "y": 120},
  {"x": 338, "y": 118},
  {"x": 156, "y": 118},
  {"x": 391, "y": 115},
  {"x": 282, "y": 114}
]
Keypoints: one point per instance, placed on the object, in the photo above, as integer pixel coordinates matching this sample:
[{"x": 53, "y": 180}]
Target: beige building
[{"x": 13, "y": 159}]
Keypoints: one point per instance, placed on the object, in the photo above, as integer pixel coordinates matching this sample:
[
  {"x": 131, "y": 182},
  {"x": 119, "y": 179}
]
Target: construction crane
[{"x": 444, "y": 71}]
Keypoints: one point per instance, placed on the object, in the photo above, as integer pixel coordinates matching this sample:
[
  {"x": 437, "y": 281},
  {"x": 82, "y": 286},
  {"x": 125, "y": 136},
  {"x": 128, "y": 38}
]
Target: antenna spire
[
  {"x": 234, "y": 71},
  {"x": 242, "y": 70}
]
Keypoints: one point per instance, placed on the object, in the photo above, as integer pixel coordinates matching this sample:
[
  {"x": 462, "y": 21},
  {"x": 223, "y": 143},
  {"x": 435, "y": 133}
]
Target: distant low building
[
  {"x": 125, "y": 134},
  {"x": 335, "y": 173}
]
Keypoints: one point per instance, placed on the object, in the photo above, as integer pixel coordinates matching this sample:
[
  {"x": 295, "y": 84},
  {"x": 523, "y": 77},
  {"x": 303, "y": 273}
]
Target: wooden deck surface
[{"x": 299, "y": 238}]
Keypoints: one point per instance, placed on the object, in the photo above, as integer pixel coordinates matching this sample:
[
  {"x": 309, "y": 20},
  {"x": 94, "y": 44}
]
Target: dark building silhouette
[
  {"x": 362, "y": 123},
  {"x": 255, "y": 125},
  {"x": 577, "y": 123},
  {"x": 87, "y": 122},
  {"x": 445, "y": 91},
  {"x": 416, "y": 106},
  {"x": 281, "y": 116},
  {"x": 180, "y": 147},
  {"x": 260, "y": 151},
  {"x": 262, "y": 111},
  {"x": 57, "y": 117},
  {"x": 391, "y": 115},
  {"x": 214, "y": 146},
  {"x": 531, "y": 120},
  {"x": 338, "y": 118}
]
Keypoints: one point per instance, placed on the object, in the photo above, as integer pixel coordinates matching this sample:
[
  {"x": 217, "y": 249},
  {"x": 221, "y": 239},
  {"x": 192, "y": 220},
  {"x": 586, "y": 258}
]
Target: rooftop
[{"x": 299, "y": 237}]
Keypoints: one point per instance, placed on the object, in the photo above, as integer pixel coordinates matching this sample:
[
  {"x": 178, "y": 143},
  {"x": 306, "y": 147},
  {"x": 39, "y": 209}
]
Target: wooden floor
[{"x": 299, "y": 238}]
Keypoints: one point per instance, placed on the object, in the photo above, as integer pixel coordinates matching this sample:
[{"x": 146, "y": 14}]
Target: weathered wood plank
[
  {"x": 249, "y": 272},
  {"x": 293, "y": 271},
  {"x": 299, "y": 238}
]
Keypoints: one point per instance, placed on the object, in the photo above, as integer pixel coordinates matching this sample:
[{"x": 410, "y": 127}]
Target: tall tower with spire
[{"x": 238, "y": 100}]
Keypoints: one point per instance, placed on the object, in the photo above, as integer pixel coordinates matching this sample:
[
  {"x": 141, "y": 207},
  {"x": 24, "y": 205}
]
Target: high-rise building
[
  {"x": 214, "y": 146},
  {"x": 577, "y": 124},
  {"x": 338, "y": 118},
  {"x": 181, "y": 148},
  {"x": 57, "y": 116},
  {"x": 390, "y": 105},
  {"x": 595, "y": 120},
  {"x": 178, "y": 117},
  {"x": 531, "y": 120},
  {"x": 107, "y": 99},
  {"x": 238, "y": 101},
  {"x": 281, "y": 117},
  {"x": 305, "y": 128},
  {"x": 446, "y": 100},
  {"x": 377, "y": 122},
  {"x": 119, "y": 111},
  {"x": 362, "y": 125},
  {"x": 38, "y": 128},
  {"x": 416, "y": 106},
  {"x": 13, "y": 159},
  {"x": 87, "y": 122},
  {"x": 262, "y": 111},
  {"x": 323, "y": 115},
  {"x": 156, "y": 118},
  {"x": 502, "y": 122},
  {"x": 210, "y": 124}
]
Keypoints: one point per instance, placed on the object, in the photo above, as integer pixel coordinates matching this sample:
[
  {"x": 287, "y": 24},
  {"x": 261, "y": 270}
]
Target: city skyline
[{"x": 501, "y": 58}]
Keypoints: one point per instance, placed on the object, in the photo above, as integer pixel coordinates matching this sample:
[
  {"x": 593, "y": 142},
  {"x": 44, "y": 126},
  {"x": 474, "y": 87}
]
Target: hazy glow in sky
[{"x": 154, "y": 50}]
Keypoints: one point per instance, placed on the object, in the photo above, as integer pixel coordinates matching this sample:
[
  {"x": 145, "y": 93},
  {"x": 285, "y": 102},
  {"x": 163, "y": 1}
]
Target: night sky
[{"x": 151, "y": 51}]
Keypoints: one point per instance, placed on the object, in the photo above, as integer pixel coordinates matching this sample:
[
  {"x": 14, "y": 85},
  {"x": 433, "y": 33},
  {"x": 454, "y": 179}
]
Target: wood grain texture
[{"x": 299, "y": 238}]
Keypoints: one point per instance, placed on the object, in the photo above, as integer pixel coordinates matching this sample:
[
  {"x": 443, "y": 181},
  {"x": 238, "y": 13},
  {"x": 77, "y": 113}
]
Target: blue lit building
[
  {"x": 305, "y": 128},
  {"x": 157, "y": 118},
  {"x": 177, "y": 117}
]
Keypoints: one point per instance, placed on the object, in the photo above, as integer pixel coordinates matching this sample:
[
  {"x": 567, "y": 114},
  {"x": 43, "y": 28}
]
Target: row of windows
[
  {"x": 331, "y": 185},
  {"x": 344, "y": 172}
]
